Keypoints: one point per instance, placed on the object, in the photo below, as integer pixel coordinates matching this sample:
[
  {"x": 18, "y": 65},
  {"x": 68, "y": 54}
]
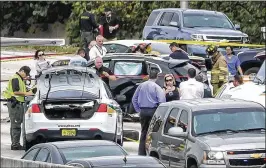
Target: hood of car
[
  {"x": 236, "y": 141},
  {"x": 214, "y": 31}
]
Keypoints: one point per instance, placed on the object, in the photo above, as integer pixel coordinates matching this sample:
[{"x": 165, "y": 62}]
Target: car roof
[
  {"x": 77, "y": 68},
  {"x": 188, "y": 10},
  {"x": 82, "y": 143},
  {"x": 120, "y": 160},
  {"x": 215, "y": 103},
  {"x": 141, "y": 56}
]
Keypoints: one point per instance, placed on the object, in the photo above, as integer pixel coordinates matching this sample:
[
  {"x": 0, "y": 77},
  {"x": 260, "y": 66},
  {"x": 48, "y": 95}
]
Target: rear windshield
[{"x": 74, "y": 153}]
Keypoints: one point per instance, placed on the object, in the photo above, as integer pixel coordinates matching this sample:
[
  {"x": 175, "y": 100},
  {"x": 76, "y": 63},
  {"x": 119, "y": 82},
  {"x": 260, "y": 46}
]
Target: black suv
[
  {"x": 208, "y": 133},
  {"x": 133, "y": 69}
]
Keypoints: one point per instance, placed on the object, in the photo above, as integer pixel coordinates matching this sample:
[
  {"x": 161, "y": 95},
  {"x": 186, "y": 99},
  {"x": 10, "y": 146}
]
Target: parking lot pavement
[{"x": 131, "y": 147}]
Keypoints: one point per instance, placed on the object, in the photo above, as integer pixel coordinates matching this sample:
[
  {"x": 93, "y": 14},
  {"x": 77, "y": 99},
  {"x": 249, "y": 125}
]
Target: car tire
[
  {"x": 193, "y": 166},
  {"x": 252, "y": 70}
]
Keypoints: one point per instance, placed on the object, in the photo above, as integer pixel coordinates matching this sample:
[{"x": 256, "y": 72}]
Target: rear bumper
[{"x": 81, "y": 134}]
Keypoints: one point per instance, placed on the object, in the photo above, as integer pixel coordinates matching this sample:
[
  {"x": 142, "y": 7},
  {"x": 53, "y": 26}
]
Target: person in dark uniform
[
  {"x": 15, "y": 94},
  {"x": 110, "y": 24},
  {"x": 87, "y": 24},
  {"x": 178, "y": 53},
  {"x": 102, "y": 71}
]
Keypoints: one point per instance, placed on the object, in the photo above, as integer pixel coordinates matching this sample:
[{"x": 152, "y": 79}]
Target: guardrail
[
  {"x": 6, "y": 41},
  {"x": 20, "y": 163}
]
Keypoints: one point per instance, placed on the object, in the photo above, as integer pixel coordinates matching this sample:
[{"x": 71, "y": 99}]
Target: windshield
[
  {"x": 227, "y": 119},
  {"x": 206, "y": 20},
  {"x": 260, "y": 77},
  {"x": 74, "y": 153}
]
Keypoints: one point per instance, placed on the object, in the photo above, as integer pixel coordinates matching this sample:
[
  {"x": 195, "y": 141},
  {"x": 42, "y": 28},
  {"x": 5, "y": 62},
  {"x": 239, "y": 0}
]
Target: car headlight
[
  {"x": 245, "y": 39},
  {"x": 197, "y": 37},
  {"x": 213, "y": 158}
]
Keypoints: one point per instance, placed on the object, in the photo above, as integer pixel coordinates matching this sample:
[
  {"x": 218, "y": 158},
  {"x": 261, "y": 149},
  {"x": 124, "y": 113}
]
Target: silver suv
[{"x": 208, "y": 133}]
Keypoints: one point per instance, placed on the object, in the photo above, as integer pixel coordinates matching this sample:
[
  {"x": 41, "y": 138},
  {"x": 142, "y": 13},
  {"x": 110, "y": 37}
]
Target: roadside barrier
[
  {"x": 28, "y": 57},
  {"x": 205, "y": 43},
  {"x": 20, "y": 163}
]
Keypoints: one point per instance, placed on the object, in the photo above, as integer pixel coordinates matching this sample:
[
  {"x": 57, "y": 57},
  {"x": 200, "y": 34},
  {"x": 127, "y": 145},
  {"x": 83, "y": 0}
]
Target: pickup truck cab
[{"x": 192, "y": 24}]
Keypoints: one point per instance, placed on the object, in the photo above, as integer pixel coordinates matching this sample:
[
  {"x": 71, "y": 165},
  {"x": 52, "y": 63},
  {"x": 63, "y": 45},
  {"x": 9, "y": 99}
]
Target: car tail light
[
  {"x": 35, "y": 108},
  {"x": 102, "y": 108}
]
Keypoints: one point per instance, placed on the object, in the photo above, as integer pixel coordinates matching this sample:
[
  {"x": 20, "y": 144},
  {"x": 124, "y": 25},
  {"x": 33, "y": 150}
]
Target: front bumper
[
  {"x": 50, "y": 135},
  {"x": 225, "y": 166}
]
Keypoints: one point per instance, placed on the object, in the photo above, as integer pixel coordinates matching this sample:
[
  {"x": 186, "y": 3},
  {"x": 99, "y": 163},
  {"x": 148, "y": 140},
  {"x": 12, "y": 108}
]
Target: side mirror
[
  {"x": 237, "y": 26},
  {"x": 174, "y": 24},
  {"x": 120, "y": 98},
  {"x": 177, "y": 132}
]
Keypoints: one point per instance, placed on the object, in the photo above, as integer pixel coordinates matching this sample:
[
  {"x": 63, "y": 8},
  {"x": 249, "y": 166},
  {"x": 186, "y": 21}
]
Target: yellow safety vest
[{"x": 8, "y": 93}]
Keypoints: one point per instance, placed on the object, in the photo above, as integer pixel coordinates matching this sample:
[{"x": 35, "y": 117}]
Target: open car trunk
[{"x": 69, "y": 110}]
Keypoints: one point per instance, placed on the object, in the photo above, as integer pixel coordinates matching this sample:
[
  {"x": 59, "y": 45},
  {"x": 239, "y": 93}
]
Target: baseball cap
[
  {"x": 26, "y": 69},
  {"x": 107, "y": 10}
]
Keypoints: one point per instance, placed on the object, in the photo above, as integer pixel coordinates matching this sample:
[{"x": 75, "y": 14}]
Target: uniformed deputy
[
  {"x": 87, "y": 25},
  {"x": 15, "y": 94},
  {"x": 219, "y": 72}
]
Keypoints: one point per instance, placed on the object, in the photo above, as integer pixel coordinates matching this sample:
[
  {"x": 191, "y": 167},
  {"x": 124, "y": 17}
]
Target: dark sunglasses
[{"x": 168, "y": 80}]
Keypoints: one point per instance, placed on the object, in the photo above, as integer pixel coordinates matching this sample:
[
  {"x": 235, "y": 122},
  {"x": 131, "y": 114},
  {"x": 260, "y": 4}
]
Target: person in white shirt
[
  {"x": 191, "y": 89},
  {"x": 41, "y": 63},
  {"x": 79, "y": 60},
  {"x": 98, "y": 49}
]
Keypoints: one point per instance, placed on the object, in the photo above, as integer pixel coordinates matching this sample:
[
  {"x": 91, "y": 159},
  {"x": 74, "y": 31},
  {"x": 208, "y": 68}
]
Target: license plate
[{"x": 68, "y": 132}]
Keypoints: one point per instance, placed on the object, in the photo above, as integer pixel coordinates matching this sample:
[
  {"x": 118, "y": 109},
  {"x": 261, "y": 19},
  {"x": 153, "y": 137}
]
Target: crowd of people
[{"x": 148, "y": 94}]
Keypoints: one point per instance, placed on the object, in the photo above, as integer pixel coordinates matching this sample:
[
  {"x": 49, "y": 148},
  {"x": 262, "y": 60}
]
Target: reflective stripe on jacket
[{"x": 8, "y": 93}]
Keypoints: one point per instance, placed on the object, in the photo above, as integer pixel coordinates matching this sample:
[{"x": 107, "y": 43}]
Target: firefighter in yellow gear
[{"x": 219, "y": 72}]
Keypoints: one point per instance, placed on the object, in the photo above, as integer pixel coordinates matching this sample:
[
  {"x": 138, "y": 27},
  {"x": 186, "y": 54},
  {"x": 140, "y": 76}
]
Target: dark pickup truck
[{"x": 192, "y": 24}]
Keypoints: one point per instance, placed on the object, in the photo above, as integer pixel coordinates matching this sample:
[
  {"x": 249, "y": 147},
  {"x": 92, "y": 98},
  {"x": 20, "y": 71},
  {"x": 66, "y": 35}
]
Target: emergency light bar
[{"x": 5, "y": 41}]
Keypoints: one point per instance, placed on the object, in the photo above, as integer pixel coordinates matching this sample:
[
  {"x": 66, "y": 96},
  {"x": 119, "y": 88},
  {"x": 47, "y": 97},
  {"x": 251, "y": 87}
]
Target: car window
[
  {"x": 61, "y": 63},
  {"x": 183, "y": 120},
  {"x": 116, "y": 48},
  {"x": 49, "y": 159},
  {"x": 105, "y": 64},
  {"x": 74, "y": 153},
  {"x": 152, "y": 18},
  {"x": 175, "y": 18},
  {"x": 166, "y": 18},
  {"x": 157, "y": 119},
  {"x": 31, "y": 154},
  {"x": 152, "y": 66},
  {"x": 206, "y": 121},
  {"x": 128, "y": 68},
  {"x": 171, "y": 120},
  {"x": 42, "y": 155}
]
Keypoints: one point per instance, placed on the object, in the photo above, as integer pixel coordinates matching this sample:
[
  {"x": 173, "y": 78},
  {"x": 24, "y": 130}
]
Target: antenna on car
[{"x": 125, "y": 159}]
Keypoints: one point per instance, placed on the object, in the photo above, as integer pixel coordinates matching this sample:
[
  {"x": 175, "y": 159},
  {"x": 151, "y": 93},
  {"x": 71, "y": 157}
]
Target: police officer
[
  {"x": 219, "y": 72},
  {"x": 15, "y": 93},
  {"x": 87, "y": 25}
]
